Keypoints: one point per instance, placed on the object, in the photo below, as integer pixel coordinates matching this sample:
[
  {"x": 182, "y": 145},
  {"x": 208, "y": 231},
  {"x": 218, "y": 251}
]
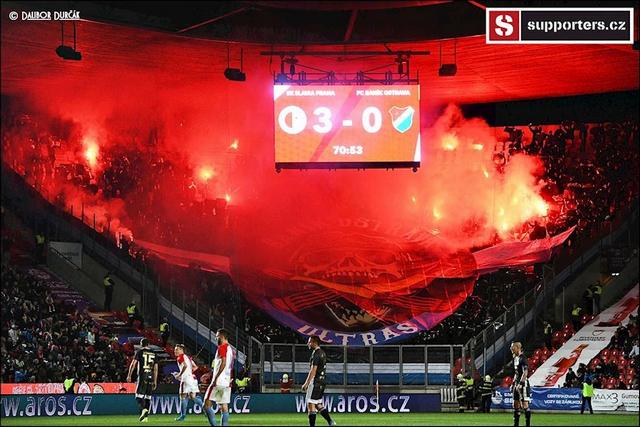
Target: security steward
[
  {"x": 486, "y": 391},
  {"x": 461, "y": 387},
  {"x": 164, "y": 331}
]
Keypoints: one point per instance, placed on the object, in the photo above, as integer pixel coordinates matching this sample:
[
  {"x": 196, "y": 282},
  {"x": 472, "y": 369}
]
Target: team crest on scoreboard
[{"x": 402, "y": 118}]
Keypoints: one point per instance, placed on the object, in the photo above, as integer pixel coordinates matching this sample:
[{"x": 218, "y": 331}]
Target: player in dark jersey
[
  {"x": 316, "y": 381},
  {"x": 520, "y": 387},
  {"x": 147, "y": 376}
]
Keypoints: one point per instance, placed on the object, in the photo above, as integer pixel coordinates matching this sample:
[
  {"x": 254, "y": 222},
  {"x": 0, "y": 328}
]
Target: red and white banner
[
  {"x": 57, "y": 388},
  {"x": 586, "y": 343}
]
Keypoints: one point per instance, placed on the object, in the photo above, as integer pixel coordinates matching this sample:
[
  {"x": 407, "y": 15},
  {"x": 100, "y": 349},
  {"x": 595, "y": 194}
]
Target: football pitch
[{"x": 438, "y": 419}]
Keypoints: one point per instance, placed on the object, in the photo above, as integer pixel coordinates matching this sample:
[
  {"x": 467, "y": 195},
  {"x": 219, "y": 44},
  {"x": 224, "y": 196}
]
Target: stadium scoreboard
[{"x": 355, "y": 126}]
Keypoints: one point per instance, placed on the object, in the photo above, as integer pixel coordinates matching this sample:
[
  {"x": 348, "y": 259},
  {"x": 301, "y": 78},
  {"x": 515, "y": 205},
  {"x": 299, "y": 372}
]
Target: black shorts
[
  {"x": 144, "y": 388},
  {"x": 521, "y": 393},
  {"x": 315, "y": 392}
]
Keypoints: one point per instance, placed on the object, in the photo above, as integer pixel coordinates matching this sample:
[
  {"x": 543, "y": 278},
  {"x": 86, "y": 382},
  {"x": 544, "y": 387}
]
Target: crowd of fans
[
  {"x": 616, "y": 366},
  {"x": 45, "y": 341},
  {"x": 166, "y": 199},
  {"x": 591, "y": 173}
]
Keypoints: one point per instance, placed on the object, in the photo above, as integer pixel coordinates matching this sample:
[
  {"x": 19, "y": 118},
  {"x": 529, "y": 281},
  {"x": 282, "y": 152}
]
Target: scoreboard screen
[{"x": 347, "y": 126}]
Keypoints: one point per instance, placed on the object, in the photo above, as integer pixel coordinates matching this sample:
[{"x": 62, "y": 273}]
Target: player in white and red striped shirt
[
  {"x": 188, "y": 381},
  {"x": 220, "y": 388}
]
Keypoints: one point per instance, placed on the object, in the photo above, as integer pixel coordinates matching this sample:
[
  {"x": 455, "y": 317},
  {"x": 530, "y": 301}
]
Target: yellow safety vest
[
  {"x": 39, "y": 239},
  {"x": 107, "y": 282},
  {"x": 597, "y": 290},
  {"x": 131, "y": 309},
  {"x": 469, "y": 383},
  {"x": 576, "y": 311},
  {"x": 243, "y": 382},
  {"x": 587, "y": 390},
  {"x": 68, "y": 383},
  {"x": 164, "y": 327},
  {"x": 548, "y": 329}
]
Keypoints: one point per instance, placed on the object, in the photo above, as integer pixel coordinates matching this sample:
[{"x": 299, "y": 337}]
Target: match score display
[{"x": 347, "y": 126}]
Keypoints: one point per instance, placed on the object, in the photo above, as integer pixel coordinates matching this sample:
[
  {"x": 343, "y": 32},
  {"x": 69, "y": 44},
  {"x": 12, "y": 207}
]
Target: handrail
[
  {"x": 546, "y": 285},
  {"x": 66, "y": 224}
]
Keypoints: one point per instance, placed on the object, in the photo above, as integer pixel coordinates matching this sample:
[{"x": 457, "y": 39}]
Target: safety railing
[
  {"x": 71, "y": 224},
  {"x": 405, "y": 366},
  {"x": 490, "y": 348}
]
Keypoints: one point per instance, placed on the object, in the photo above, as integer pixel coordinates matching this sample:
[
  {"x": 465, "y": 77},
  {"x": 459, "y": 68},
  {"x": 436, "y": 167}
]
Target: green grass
[{"x": 444, "y": 419}]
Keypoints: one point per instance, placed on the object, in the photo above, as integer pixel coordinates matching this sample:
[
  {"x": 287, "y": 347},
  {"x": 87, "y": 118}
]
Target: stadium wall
[
  {"x": 119, "y": 404},
  {"x": 569, "y": 399}
]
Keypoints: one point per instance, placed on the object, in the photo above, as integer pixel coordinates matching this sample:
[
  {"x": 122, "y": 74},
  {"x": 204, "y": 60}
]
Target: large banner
[
  {"x": 110, "y": 404},
  {"x": 570, "y": 399},
  {"x": 359, "y": 282},
  {"x": 71, "y": 251},
  {"x": 586, "y": 343}
]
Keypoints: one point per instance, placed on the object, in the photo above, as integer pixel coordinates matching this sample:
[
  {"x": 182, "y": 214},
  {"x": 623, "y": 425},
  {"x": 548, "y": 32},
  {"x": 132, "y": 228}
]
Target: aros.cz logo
[{"x": 503, "y": 25}]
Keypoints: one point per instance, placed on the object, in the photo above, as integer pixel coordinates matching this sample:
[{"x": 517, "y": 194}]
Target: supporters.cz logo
[
  {"x": 503, "y": 25},
  {"x": 559, "y": 25}
]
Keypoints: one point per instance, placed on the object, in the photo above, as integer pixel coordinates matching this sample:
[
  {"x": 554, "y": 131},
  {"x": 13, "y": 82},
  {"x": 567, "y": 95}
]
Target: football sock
[
  {"x": 211, "y": 415},
  {"x": 312, "y": 419},
  {"x": 527, "y": 416},
  {"x": 199, "y": 401},
  {"x": 183, "y": 407},
  {"x": 225, "y": 419},
  {"x": 516, "y": 418},
  {"x": 325, "y": 415}
]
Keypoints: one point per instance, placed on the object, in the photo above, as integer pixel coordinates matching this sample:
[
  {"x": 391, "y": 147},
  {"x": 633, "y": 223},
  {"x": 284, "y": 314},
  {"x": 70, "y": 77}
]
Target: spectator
[
  {"x": 570, "y": 379},
  {"x": 597, "y": 295},
  {"x": 108, "y": 284},
  {"x": 587, "y": 299},
  {"x": 635, "y": 350},
  {"x": 286, "y": 384},
  {"x": 548, "y": 335}
]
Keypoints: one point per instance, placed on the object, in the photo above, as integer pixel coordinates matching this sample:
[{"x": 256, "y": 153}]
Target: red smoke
[{"x": 169, "y": 105}]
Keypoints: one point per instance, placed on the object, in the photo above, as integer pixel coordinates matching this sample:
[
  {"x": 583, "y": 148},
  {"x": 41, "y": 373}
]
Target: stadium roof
[{"x": 486, "y": 73}]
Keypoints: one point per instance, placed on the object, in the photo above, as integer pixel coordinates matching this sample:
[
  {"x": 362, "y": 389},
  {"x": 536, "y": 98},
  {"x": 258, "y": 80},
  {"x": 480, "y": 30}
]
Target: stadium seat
[
  {"x": 506, "y": 382},
  {"x": 606, "y": 352}
]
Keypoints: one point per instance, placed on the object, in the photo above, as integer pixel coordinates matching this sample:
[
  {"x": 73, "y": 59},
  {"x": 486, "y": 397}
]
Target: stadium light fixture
[
  {"x": 68, "y": 52},
  {"x": 235, "y": 74},
  {"x": 449, "y": 69}
]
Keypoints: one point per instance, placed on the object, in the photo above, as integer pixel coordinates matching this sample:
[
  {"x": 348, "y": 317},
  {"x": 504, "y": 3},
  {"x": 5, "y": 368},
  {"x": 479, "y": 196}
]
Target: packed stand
[
  {"x": 591, "y": 175},
  {"x": 45, "y": 340}
]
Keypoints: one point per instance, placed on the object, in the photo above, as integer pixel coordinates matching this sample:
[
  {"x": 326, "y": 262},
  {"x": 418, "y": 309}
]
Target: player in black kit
[
  {"x": 316, "y": 382},
  {"x": 147, "y": 373},
  {"x": 520, "y": 387}
]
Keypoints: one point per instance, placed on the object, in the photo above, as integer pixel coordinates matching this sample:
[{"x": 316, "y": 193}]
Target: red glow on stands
[
  {"x": 91, "y": 152},
  {"x": 449, "y": 142},
  {"x": 206, "y": 173}
]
